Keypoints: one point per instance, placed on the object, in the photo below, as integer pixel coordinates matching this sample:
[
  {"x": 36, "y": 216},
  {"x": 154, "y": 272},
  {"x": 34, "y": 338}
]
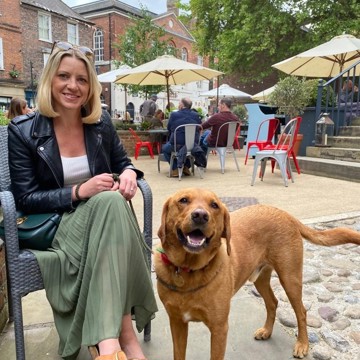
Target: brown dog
[{"x": 207, "y": 255}]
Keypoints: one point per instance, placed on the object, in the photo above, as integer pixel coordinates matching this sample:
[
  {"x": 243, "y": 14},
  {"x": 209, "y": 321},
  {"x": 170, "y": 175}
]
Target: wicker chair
[{"x": 23, "y": 271}]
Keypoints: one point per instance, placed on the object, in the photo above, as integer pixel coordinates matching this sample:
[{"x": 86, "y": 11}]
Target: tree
[
  {"x": 248, "y": 36},
  {"x": 142, "y": 42}
]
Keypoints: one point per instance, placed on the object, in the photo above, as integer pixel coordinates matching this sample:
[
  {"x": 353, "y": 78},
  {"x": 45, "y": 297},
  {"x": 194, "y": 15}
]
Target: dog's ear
[
  {"x": 162, "y": 228},
  {"x": 227, "y": 230}
]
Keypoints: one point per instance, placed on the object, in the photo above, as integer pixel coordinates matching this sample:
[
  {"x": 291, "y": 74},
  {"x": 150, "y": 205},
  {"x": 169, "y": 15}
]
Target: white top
[{"x": 76, "y": 169}]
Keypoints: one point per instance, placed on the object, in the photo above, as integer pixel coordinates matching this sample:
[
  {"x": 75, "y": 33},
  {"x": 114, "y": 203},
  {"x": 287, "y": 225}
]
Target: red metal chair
[
  {"x": 236, "y": 144},
  {"x": 272, "y": 126},
  {"x": 139, "y": 144},
  {"x": 279, "y": 153},
  {"x": 285, "y": 146}
]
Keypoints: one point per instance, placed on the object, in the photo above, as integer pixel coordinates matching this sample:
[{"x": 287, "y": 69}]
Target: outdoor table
[{"x": 158, "y": 136}]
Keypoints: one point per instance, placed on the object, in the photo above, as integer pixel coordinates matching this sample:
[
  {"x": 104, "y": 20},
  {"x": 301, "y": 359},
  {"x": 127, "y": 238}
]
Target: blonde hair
[
  {"x": 92, "y": 106},
  {"x": 16, "y": 108}
]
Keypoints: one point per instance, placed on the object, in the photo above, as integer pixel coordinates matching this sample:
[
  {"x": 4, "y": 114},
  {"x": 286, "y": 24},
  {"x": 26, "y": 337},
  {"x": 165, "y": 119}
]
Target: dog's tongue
[{"x": 195, "y": 238}]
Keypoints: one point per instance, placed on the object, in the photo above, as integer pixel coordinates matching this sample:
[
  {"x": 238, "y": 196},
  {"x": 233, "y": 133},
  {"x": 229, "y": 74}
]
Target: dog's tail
[{"x": 330, "y": 237}]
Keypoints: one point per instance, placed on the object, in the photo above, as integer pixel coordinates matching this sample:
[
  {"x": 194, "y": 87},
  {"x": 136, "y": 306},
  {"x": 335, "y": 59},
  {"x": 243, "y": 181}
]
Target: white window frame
[
  {"x": 1, "y": 55},
  {"x": 70, "y": 39},
  {"x": 98, "y": 45},
  {"x": 48, "y": 29}
]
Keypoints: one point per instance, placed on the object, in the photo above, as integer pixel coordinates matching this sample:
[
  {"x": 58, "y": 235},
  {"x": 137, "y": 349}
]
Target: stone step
[
  {"x": 355, "y": 121},
  {"x": 334, "y": 153},
  {"x": 349, "y": 131},
  {"x": 336, "y": 169},
  {"x": 352, "y": 142}
]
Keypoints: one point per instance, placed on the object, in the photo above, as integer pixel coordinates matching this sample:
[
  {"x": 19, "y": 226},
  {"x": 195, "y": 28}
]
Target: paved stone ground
[{"x": 331, "y": 295}]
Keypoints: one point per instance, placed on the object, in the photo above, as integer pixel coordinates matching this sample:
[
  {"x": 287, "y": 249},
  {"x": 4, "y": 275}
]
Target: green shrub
[
  {"x": 313, "y": 92},
  {"x": 3, "y": 119},
  {"x": 241, "y": 112},
  {"x": 119, "y": 125}
]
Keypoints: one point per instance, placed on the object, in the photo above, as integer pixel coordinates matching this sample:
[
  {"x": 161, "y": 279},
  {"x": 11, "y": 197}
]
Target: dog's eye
[
  {"x": 183, "y": 200},
  {"x": 214, "y": 205}
]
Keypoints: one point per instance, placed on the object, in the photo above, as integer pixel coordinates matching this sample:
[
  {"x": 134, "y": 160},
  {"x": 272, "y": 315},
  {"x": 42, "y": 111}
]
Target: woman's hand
[
  {"x": 128, "y": 184},
  {"x": 95, "y": 185}
]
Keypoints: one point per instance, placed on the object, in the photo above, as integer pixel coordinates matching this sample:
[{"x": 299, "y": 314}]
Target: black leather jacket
[{"x": 35, "y": 164}]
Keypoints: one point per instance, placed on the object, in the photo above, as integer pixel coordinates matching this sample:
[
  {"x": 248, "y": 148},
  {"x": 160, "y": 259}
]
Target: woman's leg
[{"x": 129, "y": 341}]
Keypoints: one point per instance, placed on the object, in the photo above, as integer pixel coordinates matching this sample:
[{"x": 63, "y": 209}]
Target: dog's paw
[
  {"x": 262, "y": 334},
  {"x": 300, "y": 350}
]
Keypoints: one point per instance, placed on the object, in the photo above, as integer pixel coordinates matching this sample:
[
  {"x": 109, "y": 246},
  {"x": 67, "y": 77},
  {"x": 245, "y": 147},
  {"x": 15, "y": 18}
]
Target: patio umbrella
[
  {"x": 324, "y": 61},
  {"x": 110, "y": 76},
  {"x": 166, "y": 70},
  {"x": 225, "y": 90},
  {"x": 264, "y": 94}
]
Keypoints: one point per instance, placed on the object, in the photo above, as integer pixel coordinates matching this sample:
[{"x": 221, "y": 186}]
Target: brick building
[
  {"x": 27, "y": 31},
  {"x": 112, "y": 17}
]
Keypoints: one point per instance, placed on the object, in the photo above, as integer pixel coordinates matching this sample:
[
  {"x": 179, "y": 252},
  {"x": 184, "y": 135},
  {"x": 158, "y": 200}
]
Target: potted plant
[
  {"x": 14, "y": 73},
  {"x": 291, "y": 96}
]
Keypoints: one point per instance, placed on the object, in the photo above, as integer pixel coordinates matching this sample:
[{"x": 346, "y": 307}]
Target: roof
[
  {"x": 57, "y": 7},
  {"x": 108, "y": 5}
]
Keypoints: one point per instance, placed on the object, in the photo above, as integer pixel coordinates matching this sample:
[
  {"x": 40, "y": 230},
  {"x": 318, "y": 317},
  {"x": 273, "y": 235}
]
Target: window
[
  {"x": 184, "y": 54},
  {"x": 200, "y": 60},
  {"x": 99, "y": 45},
  {"x": 73, "y": 33},
  {"x": 1, "y": 55},
  {"x": 44, "y": 22}
]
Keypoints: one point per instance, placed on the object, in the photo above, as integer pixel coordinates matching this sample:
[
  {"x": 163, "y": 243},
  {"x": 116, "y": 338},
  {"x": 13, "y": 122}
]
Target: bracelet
[{"x": 77, "y": 188}]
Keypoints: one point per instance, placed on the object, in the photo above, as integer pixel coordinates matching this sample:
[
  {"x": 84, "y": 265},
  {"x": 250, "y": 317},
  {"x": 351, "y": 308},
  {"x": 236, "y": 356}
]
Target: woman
[
  {"x": 17, "y": 107},
  {"x": 62, "y": 159},
  {"x": 156, "y": 121}
]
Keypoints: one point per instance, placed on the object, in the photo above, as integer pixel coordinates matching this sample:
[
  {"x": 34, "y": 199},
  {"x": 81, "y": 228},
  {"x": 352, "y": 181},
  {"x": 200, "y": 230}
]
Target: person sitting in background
[
  {"x": 347, "y": 91},
  {"x": 184, "y": 116},
  {"x": 95, "y": 274},
  {"x": 17, "y": 107},
  {"x": 208, "y": 137},
  {"x": 156, "y": 121}
]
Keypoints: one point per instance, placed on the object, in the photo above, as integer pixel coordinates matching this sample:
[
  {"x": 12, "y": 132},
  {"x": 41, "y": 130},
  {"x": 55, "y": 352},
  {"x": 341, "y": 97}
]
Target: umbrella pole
[
  {"x": 217, "y": 95},
  {"x": 125, "y": 88},
  {"x": 168, "y": 92}
]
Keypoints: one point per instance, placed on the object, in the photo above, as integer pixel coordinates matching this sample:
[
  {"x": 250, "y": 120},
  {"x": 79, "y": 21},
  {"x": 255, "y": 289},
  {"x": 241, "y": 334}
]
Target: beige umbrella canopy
[
  {"x": 326, "y": 60},
  {"x": 264, "y": 94},
  {"x": 166, "y": 70}
]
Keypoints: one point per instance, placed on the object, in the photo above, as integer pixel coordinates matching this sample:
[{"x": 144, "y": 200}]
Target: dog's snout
[{"x": 200, "y": 216}]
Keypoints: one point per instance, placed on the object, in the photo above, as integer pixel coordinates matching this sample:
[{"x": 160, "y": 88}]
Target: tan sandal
[
  {"x": 118, "y": 355},
  {"x": 94, "y": 352}
]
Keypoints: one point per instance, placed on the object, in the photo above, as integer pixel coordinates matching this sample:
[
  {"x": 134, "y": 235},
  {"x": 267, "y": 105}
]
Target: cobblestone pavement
[{"x": 331, "y": 295}]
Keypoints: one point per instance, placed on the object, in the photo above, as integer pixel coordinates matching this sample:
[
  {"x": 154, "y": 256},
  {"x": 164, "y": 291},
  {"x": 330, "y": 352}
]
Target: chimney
[{"x": 171, "y": 7}]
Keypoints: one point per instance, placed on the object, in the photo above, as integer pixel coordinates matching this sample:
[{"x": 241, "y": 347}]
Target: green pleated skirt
[{"x": 96, "y": 272}]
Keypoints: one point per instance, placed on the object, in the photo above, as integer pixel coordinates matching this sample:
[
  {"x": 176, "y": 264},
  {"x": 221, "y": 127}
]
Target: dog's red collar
[{"x": 167, "y": 261}]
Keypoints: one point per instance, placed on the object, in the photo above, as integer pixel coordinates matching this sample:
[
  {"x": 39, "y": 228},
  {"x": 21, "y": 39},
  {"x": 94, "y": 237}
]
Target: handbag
[{"x": 35, "y": 231}]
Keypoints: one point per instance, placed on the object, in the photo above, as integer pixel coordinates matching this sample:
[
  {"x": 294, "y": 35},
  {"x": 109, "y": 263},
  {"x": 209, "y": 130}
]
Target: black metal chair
[{"x": 23, "y": 271}]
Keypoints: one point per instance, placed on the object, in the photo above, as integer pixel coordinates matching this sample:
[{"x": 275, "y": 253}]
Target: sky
[{"x": 156, "y": 6}]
